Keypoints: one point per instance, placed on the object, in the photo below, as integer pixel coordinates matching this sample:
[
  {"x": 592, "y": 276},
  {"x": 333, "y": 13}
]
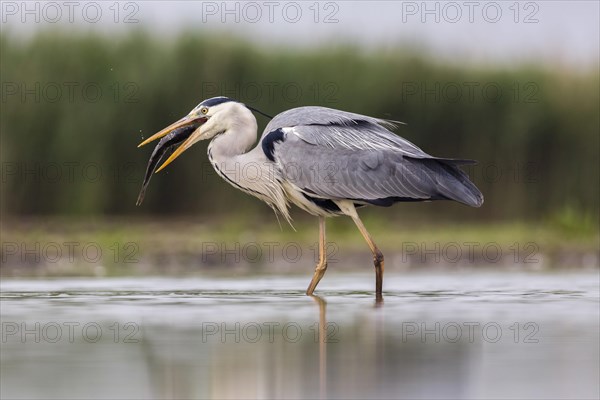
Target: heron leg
[
  {"x": 322, "y": 264},
  {"x": 377, "y": 256}
]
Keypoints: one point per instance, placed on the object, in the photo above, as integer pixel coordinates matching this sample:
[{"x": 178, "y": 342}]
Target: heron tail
[{"x": 454, "y": 184}]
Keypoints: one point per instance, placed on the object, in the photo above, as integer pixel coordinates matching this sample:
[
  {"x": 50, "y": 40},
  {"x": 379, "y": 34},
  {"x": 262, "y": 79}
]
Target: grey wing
[
  {"x": 315, "y": 115},
  {"x": 332, "y": 128},
  {"x": 379, "y": 175}
]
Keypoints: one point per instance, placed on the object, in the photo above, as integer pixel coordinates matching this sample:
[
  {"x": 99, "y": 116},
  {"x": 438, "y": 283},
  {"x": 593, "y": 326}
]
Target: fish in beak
[{"x": 182, "y": 132}]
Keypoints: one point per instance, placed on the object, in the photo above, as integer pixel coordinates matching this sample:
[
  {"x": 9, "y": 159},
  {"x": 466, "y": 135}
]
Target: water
[{"x": 452, "y": 335}]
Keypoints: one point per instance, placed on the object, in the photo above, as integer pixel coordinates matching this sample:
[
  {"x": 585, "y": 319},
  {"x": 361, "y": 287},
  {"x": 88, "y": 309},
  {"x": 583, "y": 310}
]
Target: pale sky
[{"x": 501, "y": 32}]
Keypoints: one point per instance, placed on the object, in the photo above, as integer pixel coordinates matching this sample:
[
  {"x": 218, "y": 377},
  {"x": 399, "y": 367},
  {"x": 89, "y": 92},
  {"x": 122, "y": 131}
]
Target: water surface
[{"x": 450, "y": 335}]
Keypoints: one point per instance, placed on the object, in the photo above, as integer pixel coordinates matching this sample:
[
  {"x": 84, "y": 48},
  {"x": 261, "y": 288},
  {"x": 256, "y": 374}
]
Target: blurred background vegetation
[{"x": 74, "y": 108}]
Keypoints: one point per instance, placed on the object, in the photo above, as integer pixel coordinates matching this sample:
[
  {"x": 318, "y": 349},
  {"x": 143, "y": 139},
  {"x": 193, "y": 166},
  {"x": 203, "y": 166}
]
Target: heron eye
[{"x": 204, "y": 110}]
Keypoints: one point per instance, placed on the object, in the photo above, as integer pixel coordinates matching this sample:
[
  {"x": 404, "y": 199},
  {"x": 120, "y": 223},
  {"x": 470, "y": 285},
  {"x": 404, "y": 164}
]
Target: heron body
[{"x": 325, "y": 161}]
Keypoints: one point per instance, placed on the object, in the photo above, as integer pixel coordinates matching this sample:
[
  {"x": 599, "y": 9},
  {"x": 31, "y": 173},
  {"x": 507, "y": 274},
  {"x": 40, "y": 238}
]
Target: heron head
[{"x": 212, "y": 117}]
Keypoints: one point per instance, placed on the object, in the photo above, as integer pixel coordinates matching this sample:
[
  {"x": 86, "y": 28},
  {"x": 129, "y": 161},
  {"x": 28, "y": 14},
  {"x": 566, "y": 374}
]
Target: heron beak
[
  {"x": 182, "y": 123},
  {"x": 185, "y": 122}
]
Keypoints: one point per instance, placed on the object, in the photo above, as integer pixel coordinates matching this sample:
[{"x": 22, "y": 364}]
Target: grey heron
[{"x": 327, "y": 162}]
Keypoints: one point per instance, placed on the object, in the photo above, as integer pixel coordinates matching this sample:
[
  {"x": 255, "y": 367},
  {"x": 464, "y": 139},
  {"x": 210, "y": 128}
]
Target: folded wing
[{"x": 333, "y": 154}]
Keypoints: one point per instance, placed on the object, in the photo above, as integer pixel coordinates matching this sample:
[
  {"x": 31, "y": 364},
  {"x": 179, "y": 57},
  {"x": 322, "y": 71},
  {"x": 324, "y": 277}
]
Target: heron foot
[{"x": 319, "y": 272}]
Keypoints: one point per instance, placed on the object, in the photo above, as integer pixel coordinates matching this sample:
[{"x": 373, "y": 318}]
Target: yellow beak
[{"x": 182, "y": 123}]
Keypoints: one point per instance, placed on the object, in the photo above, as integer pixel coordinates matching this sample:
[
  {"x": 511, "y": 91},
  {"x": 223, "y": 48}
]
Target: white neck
[{"x": 250, "y": 171}]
